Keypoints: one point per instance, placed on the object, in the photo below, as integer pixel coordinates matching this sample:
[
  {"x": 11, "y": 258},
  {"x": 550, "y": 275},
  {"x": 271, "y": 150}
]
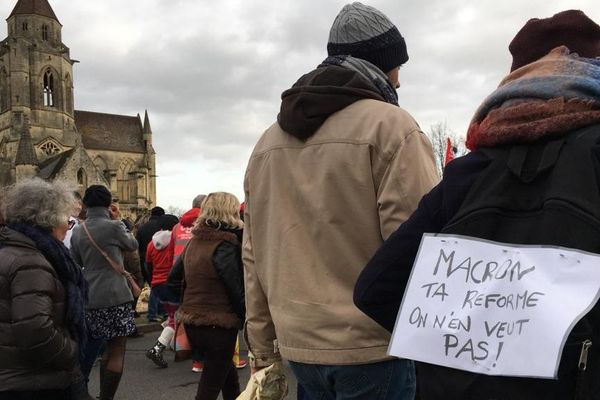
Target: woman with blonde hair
[{"x": 213, "y": 308}]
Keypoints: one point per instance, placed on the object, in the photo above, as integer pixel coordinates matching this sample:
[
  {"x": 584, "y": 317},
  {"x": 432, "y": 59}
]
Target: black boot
[
  {"x": 156, "y": 355},
  {"x": 79, "y": 390},
  {"x": 109, "y": 383}
]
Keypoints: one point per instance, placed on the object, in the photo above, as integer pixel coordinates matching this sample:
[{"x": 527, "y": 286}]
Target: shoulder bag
[{"x": 133, "y": 286}]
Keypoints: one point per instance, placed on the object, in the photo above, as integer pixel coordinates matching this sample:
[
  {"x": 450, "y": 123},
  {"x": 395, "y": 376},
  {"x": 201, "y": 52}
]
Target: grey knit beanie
[{"x": 365, "y": 32}]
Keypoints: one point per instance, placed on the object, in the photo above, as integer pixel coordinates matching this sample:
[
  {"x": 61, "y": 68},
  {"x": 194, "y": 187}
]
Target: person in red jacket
[
  {"x": 180, "y": 236},
  {"x": 182, "y": 232},
  {"x": 159, "y": 261}
]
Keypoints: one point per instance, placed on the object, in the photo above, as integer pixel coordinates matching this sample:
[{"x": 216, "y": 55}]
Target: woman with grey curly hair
[{"x": 43, "y": 293}]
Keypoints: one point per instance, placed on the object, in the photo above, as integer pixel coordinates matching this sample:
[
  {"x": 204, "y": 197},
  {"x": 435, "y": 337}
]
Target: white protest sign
[{"x": 493, "y": 308}]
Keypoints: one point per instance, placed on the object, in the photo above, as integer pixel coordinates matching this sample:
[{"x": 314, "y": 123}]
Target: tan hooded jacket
[{"x": 318, "y": 206}]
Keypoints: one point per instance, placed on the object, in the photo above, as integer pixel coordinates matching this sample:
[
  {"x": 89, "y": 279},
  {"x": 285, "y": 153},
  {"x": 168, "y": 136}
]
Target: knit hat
[
  {"x": 571, "y": 28},
  {"x": 167, "y": 221},
  {"x": 97, "y": 196},
  {"x": 366, "y": 33},
  {"x": 157, "y": 212}
]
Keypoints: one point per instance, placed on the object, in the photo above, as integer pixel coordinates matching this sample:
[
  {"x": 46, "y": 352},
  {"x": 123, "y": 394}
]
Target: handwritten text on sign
[{"x": 493, "y": 308}]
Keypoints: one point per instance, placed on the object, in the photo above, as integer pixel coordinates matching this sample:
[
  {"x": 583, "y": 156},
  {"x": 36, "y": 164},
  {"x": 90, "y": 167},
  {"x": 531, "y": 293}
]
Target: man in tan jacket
[{"x": 338, "y": 172}]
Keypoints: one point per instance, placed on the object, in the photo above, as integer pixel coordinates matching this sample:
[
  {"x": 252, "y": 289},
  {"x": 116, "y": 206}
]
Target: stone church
[{"x": 41, "y": 134}]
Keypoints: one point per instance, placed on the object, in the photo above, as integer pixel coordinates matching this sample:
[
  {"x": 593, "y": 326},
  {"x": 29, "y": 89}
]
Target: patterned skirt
[{"x": 111, "y": 322}]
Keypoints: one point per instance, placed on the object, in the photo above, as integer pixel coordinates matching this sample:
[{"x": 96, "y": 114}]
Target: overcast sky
[{"x": 210, "y": 73}]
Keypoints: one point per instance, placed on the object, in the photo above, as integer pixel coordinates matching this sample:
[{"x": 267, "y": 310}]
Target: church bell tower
[{"x": 36, "y": 84}]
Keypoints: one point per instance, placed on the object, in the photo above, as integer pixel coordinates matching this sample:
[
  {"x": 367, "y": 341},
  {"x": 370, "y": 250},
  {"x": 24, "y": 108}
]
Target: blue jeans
[
  {"x": 301, "y": 393},
  {"x": 155, "y": 310},
  {"x": 387, "y": 380}
]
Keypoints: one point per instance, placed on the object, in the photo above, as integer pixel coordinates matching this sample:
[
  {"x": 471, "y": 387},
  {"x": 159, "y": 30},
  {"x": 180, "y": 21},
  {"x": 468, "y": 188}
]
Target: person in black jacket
[
  {"x": 536, "y": 104},
  {"x": 144, "y": 236}
]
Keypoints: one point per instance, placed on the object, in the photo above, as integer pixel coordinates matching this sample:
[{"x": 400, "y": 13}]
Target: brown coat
[
  {"x": 205, "y": 299},
  {"x": 36, "y": 350},
  {"x": 131, "y": 263}
]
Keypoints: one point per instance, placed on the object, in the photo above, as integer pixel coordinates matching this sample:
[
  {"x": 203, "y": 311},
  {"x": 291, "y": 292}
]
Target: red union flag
[{"x": 449, "y": 152}]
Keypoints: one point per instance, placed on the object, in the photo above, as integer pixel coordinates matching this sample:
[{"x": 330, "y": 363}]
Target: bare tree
[
  {"x": 438, "y": 135},
  {"x": 174, "y": 210}
]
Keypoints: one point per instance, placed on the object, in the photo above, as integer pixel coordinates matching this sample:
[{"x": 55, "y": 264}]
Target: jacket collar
[
  {"x": 10, "y": 237},
  {"x": 97, "y": 213}
]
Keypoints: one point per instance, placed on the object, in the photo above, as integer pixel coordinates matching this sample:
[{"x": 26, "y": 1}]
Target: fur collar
[{"x": 212, "y": 234}]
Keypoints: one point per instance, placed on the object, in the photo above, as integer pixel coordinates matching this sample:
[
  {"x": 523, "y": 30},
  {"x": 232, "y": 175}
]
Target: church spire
[
  {"x": 147, "y": 129},
  {"x": 37, "y": 7},
  {"x": 25, "y": 151}
]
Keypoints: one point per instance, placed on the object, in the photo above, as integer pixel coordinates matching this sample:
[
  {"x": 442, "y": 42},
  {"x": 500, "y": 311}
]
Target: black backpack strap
[{"x": 527, "y": 162}]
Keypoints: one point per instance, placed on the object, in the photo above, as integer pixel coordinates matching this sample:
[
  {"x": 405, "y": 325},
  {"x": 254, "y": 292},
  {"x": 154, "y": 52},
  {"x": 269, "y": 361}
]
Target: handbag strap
[{"x": 119, "y": 269}]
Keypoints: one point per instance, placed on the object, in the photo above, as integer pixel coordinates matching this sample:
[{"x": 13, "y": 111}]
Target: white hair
[{"x": 37, "y": 202}]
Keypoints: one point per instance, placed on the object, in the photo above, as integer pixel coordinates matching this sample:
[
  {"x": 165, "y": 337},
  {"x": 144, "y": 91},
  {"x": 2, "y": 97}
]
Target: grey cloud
[{"x": 211, "y": 73}]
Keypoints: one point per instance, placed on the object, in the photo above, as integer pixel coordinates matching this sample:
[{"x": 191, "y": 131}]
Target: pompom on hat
[
  {"x": 364, "y": 32},
  {"x": 571, "y": 28}
]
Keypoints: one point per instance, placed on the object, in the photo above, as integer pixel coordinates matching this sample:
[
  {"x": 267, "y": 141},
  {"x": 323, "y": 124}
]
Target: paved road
[{"x": 142, "y": 380}]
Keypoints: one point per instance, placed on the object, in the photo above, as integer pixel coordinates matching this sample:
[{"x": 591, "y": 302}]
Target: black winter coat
[
  {"x": 381, "y": 286},
  {"x": 36, "y": 351},
  {"x": 143, "y": 237}
]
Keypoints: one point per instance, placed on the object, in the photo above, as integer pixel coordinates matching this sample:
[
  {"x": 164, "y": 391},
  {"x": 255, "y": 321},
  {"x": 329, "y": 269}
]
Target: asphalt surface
[{"x": 143, "y": 380}]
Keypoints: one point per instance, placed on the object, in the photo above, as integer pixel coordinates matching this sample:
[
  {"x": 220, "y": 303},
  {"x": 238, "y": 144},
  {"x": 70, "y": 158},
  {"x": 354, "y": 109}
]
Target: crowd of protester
[{"x": 314, "y": 264}]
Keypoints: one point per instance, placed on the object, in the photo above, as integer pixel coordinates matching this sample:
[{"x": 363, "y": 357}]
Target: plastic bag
[{"x": 267, "y": 384}]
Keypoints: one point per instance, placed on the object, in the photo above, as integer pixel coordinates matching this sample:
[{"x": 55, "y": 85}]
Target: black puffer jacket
[{"x": 36, "y": 350}]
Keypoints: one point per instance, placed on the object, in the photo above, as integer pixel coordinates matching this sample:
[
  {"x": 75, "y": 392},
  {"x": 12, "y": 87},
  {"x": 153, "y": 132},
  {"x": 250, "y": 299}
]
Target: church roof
[
  {"x": 110, "y": 132},
  {"x": 37, "y": 7},
  {"x": 52, "y": 166}
]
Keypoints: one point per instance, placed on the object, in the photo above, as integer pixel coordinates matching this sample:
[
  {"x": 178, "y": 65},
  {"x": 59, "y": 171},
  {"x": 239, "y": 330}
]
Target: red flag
[{"x": 449, "y": 152}]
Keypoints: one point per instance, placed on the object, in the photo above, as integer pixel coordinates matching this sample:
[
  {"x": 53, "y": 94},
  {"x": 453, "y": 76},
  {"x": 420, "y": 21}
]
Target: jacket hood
[
  {"x": 10, "y": 237},
  {"x": 161, "y": 239},
  {"x": 319, "y": 94},
  {"x": 190, "y": 217}
]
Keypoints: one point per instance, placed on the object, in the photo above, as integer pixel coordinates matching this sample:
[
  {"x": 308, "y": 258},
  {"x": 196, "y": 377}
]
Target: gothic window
[
  {"x": 48, "y": 88},
  {"x": 17, "y": 118},
  {"x": 127, "y": 181},
  {"x": 82, "y": 177},
  {"x": 25, "y": 26},
  {"x": 132, "y": 186},
  {"x": 3, "y": 147},
  {"x": 68, "y": 95},
  {"x": 4, "y": 95},
  {"x": 50, "y": 148},
  {"x": 45, "y": 32}
]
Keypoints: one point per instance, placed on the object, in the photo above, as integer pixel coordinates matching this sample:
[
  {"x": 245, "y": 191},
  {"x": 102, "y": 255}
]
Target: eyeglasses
[{"x": 71, "y": 223}]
